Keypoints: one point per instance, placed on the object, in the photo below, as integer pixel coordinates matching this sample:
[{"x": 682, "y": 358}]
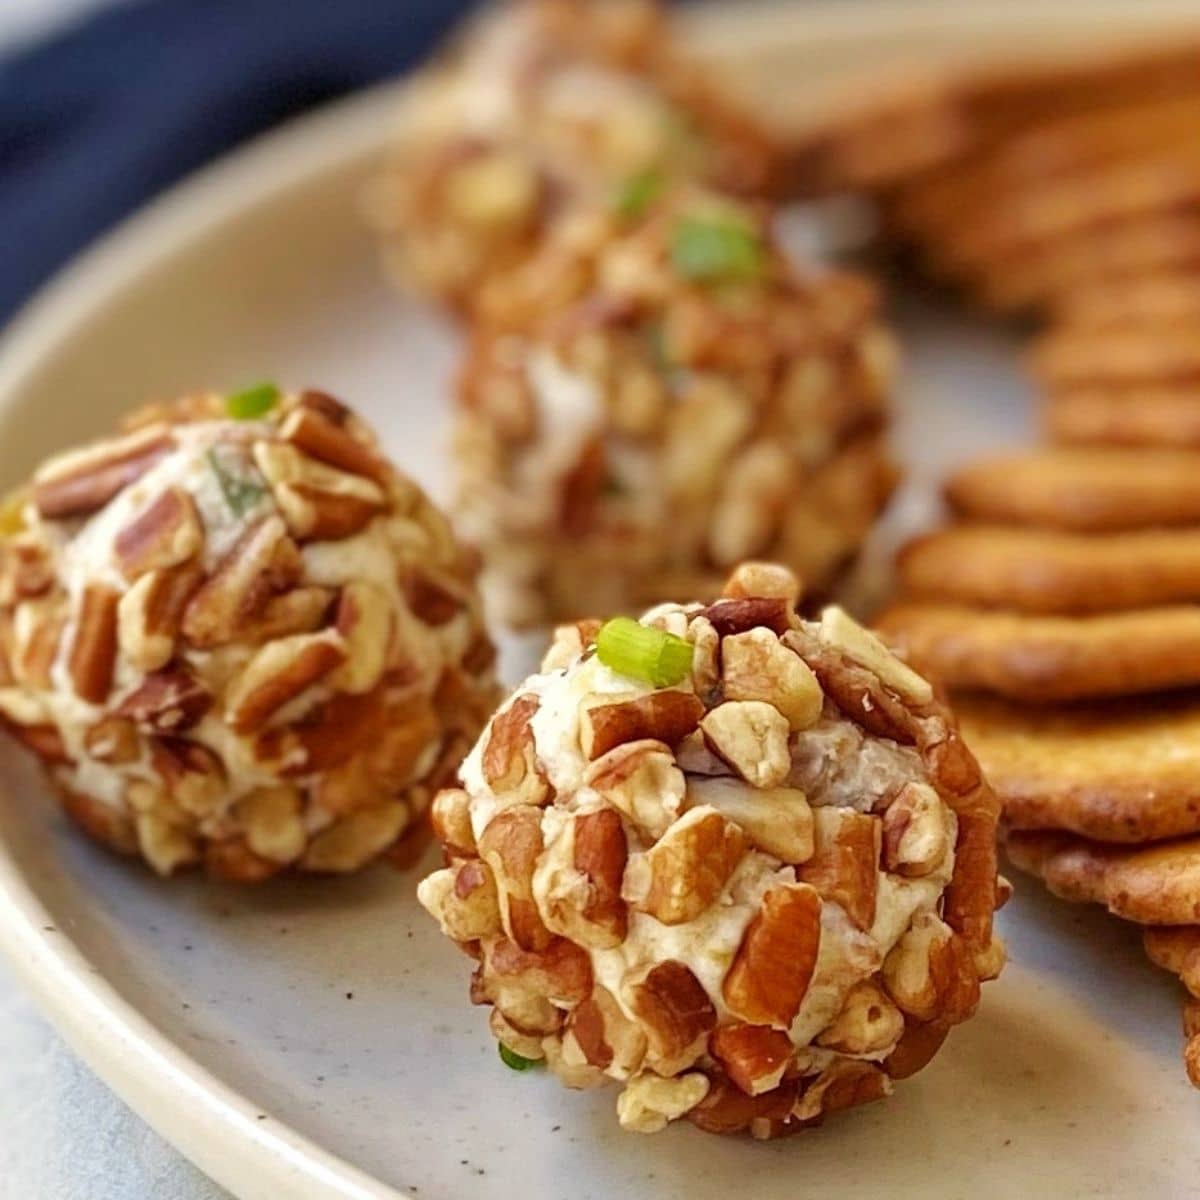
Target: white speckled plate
[{"x": 313, "y": 1039}]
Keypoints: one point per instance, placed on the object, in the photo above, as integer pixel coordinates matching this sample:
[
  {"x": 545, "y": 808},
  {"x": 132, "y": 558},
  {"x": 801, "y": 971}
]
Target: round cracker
[
  {"x": 1150, "y": 885},
  {"x": 1154, "y": 352},
  {"x": 1114, "y": 772},
  {"x": 1050, "y": 658},
  {"x": 1050, "y": 273},
  {"x": 1176, "y": 948},
  {"x": 1137, "y": 416},
  {"x": 1154, "y": 296},
  {"x": 1044, "y": 571},
  {"x": 1082, "y": 488}
]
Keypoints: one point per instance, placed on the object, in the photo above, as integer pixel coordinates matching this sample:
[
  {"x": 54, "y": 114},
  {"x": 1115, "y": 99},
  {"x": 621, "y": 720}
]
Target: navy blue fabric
[{"x": 100, "y": 117}]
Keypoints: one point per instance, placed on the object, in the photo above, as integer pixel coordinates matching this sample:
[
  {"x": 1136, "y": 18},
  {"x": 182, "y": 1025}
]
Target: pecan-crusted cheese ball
[
  {"x": 699, "y": 402},
  {"x": 546, "y": 105},
  {"x": 238, "y": 637},
  {"x": 738, "y": 862}
]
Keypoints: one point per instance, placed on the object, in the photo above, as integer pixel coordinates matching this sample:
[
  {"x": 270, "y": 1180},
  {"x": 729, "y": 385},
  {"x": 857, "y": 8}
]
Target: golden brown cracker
[
  {"x": 1152, "y": 352},
  {"x": 1176, "y": 948},
  {"x": 1137, "y": 416},
  {"x": 1152, "y": 297},
  {"x": 1082, "y": 488},
  {"x": 1150, "y": 885},
  {"x": 1043, "y": 659},
  {"x": 1145, "y": 186},
  {"x": 1045, "y": 571},
  {"x": 1048, "y": 274},
  {"x": 1050, "y": 148},
  {"x": 1126, "y": 772}
]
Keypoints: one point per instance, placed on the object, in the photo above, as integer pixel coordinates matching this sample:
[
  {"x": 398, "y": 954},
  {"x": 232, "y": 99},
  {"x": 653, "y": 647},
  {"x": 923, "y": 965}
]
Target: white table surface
[{"x": 63, "y": 1134}]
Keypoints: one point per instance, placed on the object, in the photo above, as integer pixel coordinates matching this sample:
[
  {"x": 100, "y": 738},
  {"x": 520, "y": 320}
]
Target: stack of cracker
[
  {"x": 1062, "y": 609},
  {"x": 1062, "y": 604},
  {"x": 1030, "y": 186}
]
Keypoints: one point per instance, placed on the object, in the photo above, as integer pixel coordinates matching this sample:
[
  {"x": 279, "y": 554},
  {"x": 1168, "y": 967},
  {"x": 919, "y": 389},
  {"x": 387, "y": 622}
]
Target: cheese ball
[
  {"x": 545, "y": 105},
  {"x": 237, "y": 637},
  {"x": 738, "y": 862},
  {"x": 688, "y": 399}
]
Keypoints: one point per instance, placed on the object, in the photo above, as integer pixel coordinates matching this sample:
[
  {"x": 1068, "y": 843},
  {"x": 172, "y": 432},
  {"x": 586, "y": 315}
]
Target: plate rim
[{"x": 211, "y": 1123}]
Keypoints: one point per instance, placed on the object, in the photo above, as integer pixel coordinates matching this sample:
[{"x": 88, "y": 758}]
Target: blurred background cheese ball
[
  {"x": 238, "y": 637},
  {"x": 660, "y": 393},
  {"x": 540, "y": 106},
  {"x": 737, "y": 862}
]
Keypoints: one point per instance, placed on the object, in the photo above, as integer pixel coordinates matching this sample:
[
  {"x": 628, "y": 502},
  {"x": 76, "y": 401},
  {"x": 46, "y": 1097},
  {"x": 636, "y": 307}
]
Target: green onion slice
[
  {"x": 638, "y": 192},
  {"x": 515, "y": 1061},
  {"x": 714, "y": 248},
  {"x": 640, "y": 652},
  {"x": 252, "y": 402},
  {"x": 241, "y": 492}
]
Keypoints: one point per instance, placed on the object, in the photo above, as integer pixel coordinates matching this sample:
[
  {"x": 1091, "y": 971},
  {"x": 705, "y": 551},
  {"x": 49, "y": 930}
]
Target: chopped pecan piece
[
  {"x": 511, "y": 845},
  {"x": 844, "y": 867},
  {"x": 319, "y": 502},
  {"x": 841, "y": 630},
  {"x": 676, "y": 1014},
  {"x": 778, "y": 820},
  {"x": 728, "y": 1109},
  {"x": 355, "y": 840},
  {"x": 756, "y": 665},
  {"x": 844, "y": 1084},
  {"x": 916, "y": 836},
  {"x": 773, "y": 967},
  {"x": 37, "y": 636},
  {"x": 84, "y": 481},
  {"x": 364, "y": 619},
  {"x": 463, "y": 900},
  {"x": 650, "y": 1103},
  {"x": 93, "y": 654},
  {"x": 167, "y": 701},
  {"x": 318, "y": 435},
  {"x": 192, "y": 774},
  {"x": 606, "y": 1037},
  {"x": 685, "y": 871},
  {"x": 753, "y": 1056},
  {"x": 263, "y": 561},
  {"x": 752, "y": 737},
  {"x": 869, "y": 1023},
  {"x": 278, "y": 674},
  {"x": 451, "y": 819},
  {"x": 738, "y": 616},
  {"x": 112, "y": 740},
  {"x": 660, "y": 716},
  {"x": 274, "y": 824},
  {"x": 163, "y": 535},
  {"x": 642, "y": 780},
  {"x": 578, "y": 881},
  {"x": 510, "y": 764},
  {"x": 150, "y": 613},
  {"x": 762, "y": 580}
]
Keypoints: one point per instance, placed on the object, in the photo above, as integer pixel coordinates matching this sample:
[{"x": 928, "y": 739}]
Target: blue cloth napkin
[{"x": 99, "y": 118}]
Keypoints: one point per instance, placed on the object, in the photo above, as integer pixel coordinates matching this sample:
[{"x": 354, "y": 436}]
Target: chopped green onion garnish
[
  {"x": 252, "y": 402},
  {"x": 240, "y": 491},
  {"x": 638, "y": 193},
  {"x": 715, "y": 248},
  {"x": 510, "y": 1058},
  {"x": 643, "y": 653}
]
